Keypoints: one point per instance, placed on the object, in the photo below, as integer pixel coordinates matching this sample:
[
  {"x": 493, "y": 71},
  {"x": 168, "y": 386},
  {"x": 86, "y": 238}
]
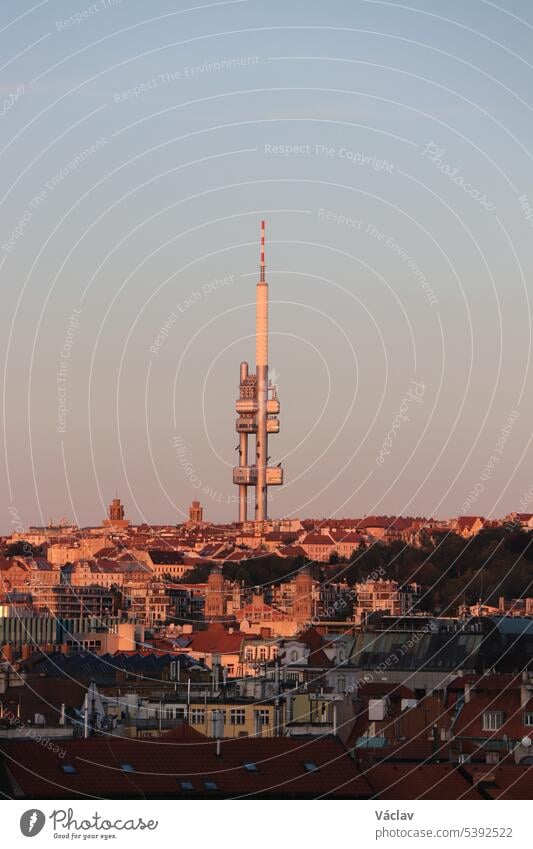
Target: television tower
[{"x": 258, "y": 407}]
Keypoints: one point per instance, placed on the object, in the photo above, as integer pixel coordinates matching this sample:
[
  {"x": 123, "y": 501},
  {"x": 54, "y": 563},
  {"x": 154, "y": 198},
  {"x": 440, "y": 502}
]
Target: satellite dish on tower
[{"x": 526, "y": 741}]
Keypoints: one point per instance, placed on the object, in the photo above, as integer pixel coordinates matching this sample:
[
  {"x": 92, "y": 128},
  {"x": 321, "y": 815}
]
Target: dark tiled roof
[
  {"x": 43, "y": 696},
  {"x": 504, "y": 782},
  {"x": 103, "y": 668},
  {"x": 420, "y": 781},
  {"x": 169, "y": 558},
  {"x": 160, "y": 765}
]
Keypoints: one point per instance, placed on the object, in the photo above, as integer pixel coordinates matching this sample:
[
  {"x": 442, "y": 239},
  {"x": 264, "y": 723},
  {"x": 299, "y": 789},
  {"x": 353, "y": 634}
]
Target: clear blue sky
[{"x": 389, "y": 148}]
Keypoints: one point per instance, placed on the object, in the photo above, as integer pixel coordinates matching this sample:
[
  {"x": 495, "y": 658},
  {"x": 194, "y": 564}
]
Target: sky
[{"x": 388, "y": 147}]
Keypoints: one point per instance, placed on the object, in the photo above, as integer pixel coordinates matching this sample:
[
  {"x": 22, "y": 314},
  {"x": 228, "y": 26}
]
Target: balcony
[
  {"x": 273, "y": 406},
  {"x": 272, "y": 425}
]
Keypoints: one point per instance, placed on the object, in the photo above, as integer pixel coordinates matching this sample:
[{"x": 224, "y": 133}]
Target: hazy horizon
[{"x": 388, "y": 149}]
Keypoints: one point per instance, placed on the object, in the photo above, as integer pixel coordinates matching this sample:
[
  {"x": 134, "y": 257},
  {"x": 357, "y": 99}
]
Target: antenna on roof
[{"x": 262, "y": 263}]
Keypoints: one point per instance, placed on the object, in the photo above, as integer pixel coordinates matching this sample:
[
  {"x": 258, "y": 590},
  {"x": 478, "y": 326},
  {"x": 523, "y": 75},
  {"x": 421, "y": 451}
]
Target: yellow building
[{"x": 236, "y": 719}]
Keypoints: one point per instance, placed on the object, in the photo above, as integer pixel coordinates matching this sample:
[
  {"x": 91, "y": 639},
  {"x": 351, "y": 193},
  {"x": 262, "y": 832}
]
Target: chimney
[
  {"x": 467, "y": 692},
  {"x": 7, "y": 651}
]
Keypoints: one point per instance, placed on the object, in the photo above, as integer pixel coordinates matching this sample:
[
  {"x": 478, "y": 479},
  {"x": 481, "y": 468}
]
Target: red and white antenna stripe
[{"x": 262, "y": 264}]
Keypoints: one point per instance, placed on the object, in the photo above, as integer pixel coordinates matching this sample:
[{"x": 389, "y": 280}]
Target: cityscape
[
  {"x": 266, "y": 346},
  {"x": 334, "y": 657}
]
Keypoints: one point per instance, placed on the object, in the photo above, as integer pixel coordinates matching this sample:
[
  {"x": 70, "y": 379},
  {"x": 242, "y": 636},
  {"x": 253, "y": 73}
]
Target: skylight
[
  {"x": 250, "y": 766},
  {"x": 127, "y": 767},
  {"x": 310, "y": 766},
  {"x": 186, "y": 785},
  {"x": 69, "y": 769}
]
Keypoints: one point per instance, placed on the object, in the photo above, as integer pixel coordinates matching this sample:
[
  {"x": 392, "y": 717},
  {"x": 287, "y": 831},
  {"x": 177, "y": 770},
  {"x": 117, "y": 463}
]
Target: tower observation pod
[{"x": 257, "y": 408}]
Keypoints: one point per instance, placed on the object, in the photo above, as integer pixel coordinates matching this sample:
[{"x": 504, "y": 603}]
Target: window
[
  {"x": 341, "y": 684},
  {"x": 127, "y": 767},
  {"x": 210, "y": 785},
  {"x": 492, "y": 720},
  {"x": 197, "y": 716},
  {"x": 237, "y": 716},
  {"x": 250, "y": 767},
  {"x": 528, "y": 719},
  {"x": 262, "y": 653},
  {"x": 186, "y": 785},
  {"x": 263, "y": 716},
  {"x": 310, "y": 766},
  {"x": 249, "y": 654},
  {"x": 69, "y": 769},
  {"x": 294, "y": 656}
]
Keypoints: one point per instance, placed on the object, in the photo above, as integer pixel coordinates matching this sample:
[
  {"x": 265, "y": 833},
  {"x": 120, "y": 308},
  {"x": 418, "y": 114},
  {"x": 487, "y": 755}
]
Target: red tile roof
[
  {"x": 159, "y": 766},
  {"x": 420, "y": 781},
  {"x": 505, "y": 782},
  {"x": 467, "y": 521},
  {"x": 469, "y": 722},
  {"x": 346, "y": 537},
  {"x": 216, "y": 639},
  {"x": 317, "y": 539},
  {"x": 498, "y": 682},
  {"x": 44, "y": 696},
  {"x": 380, "y": 689},
  {"x": 292, "y": 551}
]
